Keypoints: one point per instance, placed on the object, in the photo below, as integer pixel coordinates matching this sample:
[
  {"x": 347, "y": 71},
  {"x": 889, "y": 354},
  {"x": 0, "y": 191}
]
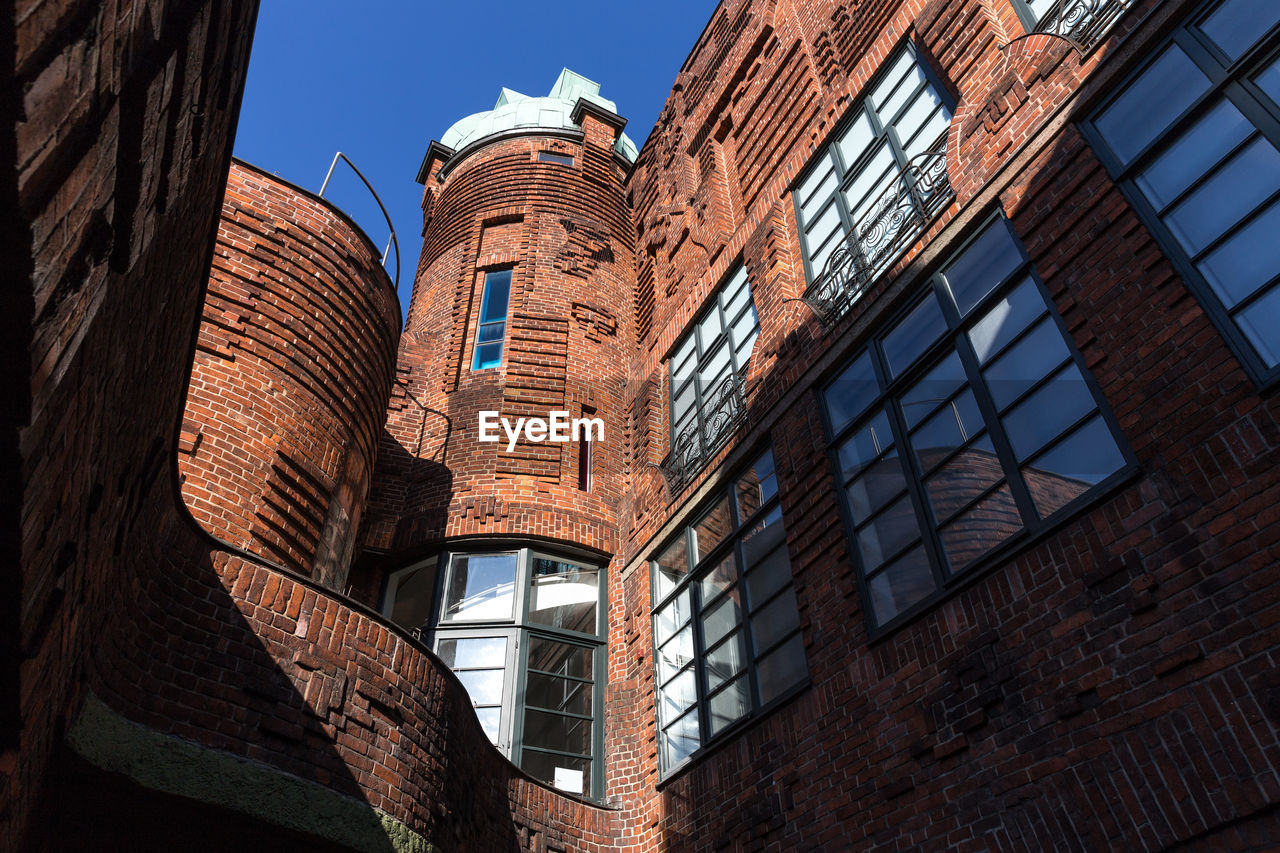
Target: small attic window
[{"x": 553, "y": 157}]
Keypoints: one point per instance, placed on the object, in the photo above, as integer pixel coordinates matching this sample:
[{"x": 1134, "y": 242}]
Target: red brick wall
[
  {"x": 117, "y": 129},
  {"x": 1110, "y": 685},
  {"x": 567, "y": 233},
  {"x": 292, "y": 372}
]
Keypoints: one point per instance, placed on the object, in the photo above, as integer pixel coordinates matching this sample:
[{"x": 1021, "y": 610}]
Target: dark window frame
[
  {"x": 845, "y": 173},
  {"x": 1229, "y": 80},
  {"x": 481, "y": 323},
  {"x": 888, "y": 399},
  {"x": 691, "y": 583},
  {"x": 520, "y": 631}
]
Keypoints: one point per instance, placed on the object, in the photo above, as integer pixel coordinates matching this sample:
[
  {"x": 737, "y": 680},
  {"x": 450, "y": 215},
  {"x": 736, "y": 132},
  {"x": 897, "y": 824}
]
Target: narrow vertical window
[
  {"x": 584, "y": 466},
  {"x": 493, "y": 320}
]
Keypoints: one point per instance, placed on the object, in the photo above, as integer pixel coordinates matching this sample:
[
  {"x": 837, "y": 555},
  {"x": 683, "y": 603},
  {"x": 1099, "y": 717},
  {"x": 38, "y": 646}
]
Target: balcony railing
[
  {"x": 723, "y": 410},
  {"x": 1082, "y": 22},
  {"x": 914, "y": 197}
]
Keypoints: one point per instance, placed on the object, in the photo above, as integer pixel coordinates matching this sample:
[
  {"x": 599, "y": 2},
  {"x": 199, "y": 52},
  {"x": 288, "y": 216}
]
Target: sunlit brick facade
[{"x": 934, "y": 347}]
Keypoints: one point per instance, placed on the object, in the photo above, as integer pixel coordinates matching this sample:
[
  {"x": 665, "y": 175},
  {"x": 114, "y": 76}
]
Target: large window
[
  {"x": 967, "y": 424},
  {"x": 524, "y": 631},
  {"x": 860, "y": 191},
  {"x": 1194, "y": 139},
  {"x": 492, "y": 328},
  {"x": 706, "y": 370},
  {"x": 726, "y": 627}
]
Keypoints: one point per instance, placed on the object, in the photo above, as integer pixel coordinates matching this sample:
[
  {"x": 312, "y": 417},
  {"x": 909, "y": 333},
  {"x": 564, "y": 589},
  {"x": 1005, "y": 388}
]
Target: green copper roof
[{"x": 514, "y": 110}]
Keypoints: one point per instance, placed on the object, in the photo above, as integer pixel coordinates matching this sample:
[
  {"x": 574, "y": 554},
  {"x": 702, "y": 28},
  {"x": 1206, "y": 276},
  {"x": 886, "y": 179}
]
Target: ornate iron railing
[
  {"x": 1082, "y": 22},
  {"x": 917, "y": 194},
  {"x": 723, "y": 410}
]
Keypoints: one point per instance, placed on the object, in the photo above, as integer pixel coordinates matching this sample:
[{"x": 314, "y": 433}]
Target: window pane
[
  {"x": 1026, "y": 363},
  {"x": 775, "y": 620},
  {"x": 728, "y": 705},
  {"x": 769, "y": 575},
  {"x": 1194, "y": 154},
  {"x": 913, "y": 335},
  {"x": 863, "y": 446},
  {"x": 711, "y": 529},
  {"x": 710, "y": 329},
  {"x": 925, "y": 110},
  {"x": 1246, "y": 260},
  {"x": 851, "y": 394},
  {"x": 412, "y": 595},
  {"x": 721, "y": 576},
  {"x": 855, "y": 140},
  {"x": 560, "y": 771},
  {"x": 1006, "y": 319},
  {"x": 1151, "y": 103},
  {"x": 484, "y": 686},
  {"x": 929, "y": 131},
  {"x": 490, "y": 721},
  {"x": 497, "y": 292},
  {"x": 558, "y": 694},
  {"x": 725, "y": 661},
  {"x": 564, "y": 595},
  {"x": 887, "y": 533},
  {"x": 1268, "y": 79},
  {"x": 781, "y": 669},
  {"x": 878, "y": 484},
  {"x": 902, "y": 78},
  {"x": 984, "y": 264},
  {"x": 994, "y": 519},
  {"x": 676, "y": 654},
  {"x": 680, "y": 739},
  {"x": 817, "y": 186},
  {"x": 766, "y": 534},
  {"x": 974, "y": 470},
  {"x": 1036, "y": 420},
  {"x": 933, "y": 390},
  {"x": 1261, "y": 323},
  {"x": 677, "y": 695},
  {"x": 1084, "y": 459},
  {"x": 1237, "y": 24},
  {"x": 904, "y": 583},
  {"x": 488, "y": 355},
  {"x": 952, "y": 426},
  {"x": 868, "y": 183},
  {"x": 491, "y": 332},
  {"x": 553, "y": 731},
  {"x": 1238, "y": 187},
  {"x": 481, "y": 586},
  {"x": 720, "y": 619},
  {"x": 473, "y": 652},
  {"x": 560, "y": 658},
  {"x": 756, "y": 485},
  {"x": 672, "y": 565},
  {"x": 672, "y": 617}
]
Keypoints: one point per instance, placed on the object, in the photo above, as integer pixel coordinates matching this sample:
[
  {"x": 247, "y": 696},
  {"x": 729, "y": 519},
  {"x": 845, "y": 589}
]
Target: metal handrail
[
  {"x": 391, "y": 241},
  {"x": 724, "y": 410}
]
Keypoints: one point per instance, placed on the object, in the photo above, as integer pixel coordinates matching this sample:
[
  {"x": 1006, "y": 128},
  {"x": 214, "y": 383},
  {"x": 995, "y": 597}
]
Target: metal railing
[
  {"x": 724, "y": 409},
  {"x": 914, "y": 197},
  {"x": 1083, "y": 23},
  {"x": 391, "y": 240}
]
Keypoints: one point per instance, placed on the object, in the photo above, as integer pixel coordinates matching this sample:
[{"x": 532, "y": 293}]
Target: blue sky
[{"x": 380, "y": 79}]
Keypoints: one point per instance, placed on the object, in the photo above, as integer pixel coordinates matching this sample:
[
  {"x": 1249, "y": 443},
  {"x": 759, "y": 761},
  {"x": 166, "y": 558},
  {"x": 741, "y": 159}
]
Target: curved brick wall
[
  {"x": 291, "y": 376},
  {"x": 566, "y": 232}
]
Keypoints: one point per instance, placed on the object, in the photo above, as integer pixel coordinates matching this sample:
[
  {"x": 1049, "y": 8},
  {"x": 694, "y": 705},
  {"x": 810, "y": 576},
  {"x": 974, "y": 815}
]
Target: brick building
[{"x": 934, "y": 346}]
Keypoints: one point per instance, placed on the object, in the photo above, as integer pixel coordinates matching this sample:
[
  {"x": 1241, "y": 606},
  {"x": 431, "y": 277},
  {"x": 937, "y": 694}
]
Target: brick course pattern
[{"x": 292, "y": 373}]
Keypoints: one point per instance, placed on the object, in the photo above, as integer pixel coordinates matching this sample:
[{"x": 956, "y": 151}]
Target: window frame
[
  {"x": 1229, "y": 81},
  {"x": 520, "y": 630},
  {"x": 481, "y": 323},
  {"x": 692, "y": 584},
  {"x": 846, "y": 173},
  {"x": 693, "y": 332},
  {"x": 889, "y": 395}
]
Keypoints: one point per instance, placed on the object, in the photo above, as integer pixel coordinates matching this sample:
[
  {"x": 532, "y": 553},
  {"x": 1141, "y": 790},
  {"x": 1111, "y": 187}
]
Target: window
[
  {"x": 967, "y": 424},
  {"x": 726, "y": 627},
  {"x": 1193, "y": 138},
  {"x": 525, "y": 633},
  {"x": 553, "y": 157},
  {"x": 1084, "y": 22},
  {"x": 493, "y": 319},
  {"x": 860, "y": 191},
  {"x": 706, "y": 371}
]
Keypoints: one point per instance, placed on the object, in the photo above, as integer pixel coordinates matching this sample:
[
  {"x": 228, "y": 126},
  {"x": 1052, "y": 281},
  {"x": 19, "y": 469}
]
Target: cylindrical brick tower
[{"x": 520, "y": 310}]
